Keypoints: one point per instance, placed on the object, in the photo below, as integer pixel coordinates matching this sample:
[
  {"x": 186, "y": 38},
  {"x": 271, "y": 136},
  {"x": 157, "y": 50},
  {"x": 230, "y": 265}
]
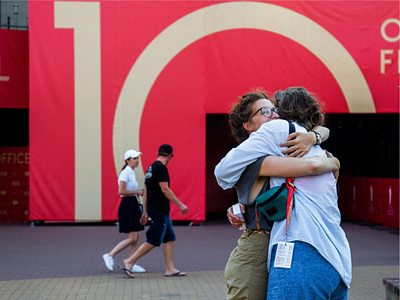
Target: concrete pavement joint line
[{"x": 367, "y": 284}]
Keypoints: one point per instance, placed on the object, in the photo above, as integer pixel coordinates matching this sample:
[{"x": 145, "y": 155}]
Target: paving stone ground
[{"x": 59, "y": 261}]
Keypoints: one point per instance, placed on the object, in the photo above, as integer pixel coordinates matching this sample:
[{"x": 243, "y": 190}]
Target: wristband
[{"x": 317, "y": 138}]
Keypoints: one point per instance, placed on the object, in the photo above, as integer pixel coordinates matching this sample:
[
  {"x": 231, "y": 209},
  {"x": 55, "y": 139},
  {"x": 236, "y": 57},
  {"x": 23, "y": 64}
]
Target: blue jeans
[
  {"x": 161, "y": 230},
  {"x": 311, "y": 277}
]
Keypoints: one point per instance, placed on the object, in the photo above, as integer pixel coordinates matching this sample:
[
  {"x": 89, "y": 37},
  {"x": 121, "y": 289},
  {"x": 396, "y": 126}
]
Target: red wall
[
  {"x": 14, "y": 184},
  {"x": 14, "y": 67}
]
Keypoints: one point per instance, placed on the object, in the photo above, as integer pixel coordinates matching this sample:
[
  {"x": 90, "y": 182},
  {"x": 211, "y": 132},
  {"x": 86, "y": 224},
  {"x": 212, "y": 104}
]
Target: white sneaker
[
  {"x": 138, "y": 269},
  {"x": 109, "y": 261}
]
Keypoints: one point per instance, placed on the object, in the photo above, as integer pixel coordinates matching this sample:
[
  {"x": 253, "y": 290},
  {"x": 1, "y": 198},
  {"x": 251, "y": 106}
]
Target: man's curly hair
[
  {"x": 296, "y": 104},
  {"x": 241, "y": 113}
]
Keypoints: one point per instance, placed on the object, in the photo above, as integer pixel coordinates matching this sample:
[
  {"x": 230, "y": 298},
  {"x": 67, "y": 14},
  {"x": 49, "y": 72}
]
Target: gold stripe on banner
[
  {"x": 84, "y": 18},
  {"x": 228, "y": 16}
]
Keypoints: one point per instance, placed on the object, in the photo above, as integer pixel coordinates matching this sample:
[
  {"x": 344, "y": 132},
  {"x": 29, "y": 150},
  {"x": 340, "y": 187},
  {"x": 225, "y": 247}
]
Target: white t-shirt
[{"x": 128, "y": 175}]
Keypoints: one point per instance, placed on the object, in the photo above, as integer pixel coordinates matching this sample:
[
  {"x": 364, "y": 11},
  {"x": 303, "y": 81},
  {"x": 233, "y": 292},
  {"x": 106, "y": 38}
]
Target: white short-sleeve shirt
[{"x": 128, "y": 175}]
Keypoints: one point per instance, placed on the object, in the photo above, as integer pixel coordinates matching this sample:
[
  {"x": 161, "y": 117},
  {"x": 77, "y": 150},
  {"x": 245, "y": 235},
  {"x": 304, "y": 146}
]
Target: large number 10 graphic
[{"x": 84, "y": 19}]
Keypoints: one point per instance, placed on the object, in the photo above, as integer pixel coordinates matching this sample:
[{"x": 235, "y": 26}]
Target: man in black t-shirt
[
  {"x": 156, "y": 205},
  {"x": 156, "y": 200}
]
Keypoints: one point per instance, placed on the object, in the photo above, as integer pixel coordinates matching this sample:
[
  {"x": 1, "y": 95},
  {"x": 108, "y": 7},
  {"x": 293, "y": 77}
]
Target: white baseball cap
[{"x": 131, "y": 153}]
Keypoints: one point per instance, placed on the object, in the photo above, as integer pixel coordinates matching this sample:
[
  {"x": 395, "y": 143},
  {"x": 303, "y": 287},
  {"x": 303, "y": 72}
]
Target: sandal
[{"x": 126, "y": 271}]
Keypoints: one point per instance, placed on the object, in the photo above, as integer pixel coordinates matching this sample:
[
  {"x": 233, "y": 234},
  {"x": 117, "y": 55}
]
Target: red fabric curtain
[{"x": 177, "y": 81}]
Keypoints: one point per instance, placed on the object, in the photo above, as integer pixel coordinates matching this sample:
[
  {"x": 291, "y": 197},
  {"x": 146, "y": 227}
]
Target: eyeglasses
[{"x": 266, "y": 111}]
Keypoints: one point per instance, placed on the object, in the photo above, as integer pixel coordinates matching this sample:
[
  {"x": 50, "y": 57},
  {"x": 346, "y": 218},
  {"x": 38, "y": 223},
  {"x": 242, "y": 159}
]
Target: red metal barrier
[
  {"x": 372, "y": 188},
  {"x": 370, "y": 199},
  {"x": 356, "y": 206},
  {"x": 390, "y": 202}
]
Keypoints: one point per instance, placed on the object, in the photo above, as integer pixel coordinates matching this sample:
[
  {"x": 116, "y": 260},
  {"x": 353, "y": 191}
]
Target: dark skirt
[{"x": 129, "y": 215}]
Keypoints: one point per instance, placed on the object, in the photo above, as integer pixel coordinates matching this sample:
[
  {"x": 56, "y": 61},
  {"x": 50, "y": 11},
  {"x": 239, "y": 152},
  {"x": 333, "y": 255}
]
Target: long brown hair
[{"x": 126, "y": 163}]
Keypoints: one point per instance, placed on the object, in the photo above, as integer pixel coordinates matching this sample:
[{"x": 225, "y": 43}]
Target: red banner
[
  {"x": 106, "y": 76},
  {"x": 14, "y": 69}
]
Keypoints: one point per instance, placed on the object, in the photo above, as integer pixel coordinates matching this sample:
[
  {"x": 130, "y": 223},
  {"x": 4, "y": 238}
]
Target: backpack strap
[
  {"x": 266, "y": 186},
  {"x": 291, "y": 127}
]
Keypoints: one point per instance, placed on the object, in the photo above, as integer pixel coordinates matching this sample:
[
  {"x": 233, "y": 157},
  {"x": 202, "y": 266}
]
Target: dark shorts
[
  {"x": 161, "y": 230},
  {"x": 129, "y": 215}
]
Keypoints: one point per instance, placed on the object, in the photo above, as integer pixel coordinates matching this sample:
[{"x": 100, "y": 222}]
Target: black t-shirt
[{"x": 156, "y": 201}]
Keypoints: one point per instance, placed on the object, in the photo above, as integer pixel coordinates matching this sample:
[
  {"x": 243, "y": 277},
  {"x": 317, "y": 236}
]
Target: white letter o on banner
[{"x": 383, "y": 30}]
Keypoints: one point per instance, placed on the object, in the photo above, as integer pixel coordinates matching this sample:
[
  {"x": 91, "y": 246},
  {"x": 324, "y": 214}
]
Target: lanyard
[{"x": 289, "y": 205}]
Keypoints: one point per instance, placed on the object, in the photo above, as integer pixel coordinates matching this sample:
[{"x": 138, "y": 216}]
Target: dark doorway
[
  {"x": 218, "y": 142},
  {"x": 14, "y": 124},
  {"x": 367, "y": 145}
]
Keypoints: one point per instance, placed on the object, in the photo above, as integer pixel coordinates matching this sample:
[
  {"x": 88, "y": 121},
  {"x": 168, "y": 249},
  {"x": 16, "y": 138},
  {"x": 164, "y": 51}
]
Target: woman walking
[{"x": 129, "y": 212}]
